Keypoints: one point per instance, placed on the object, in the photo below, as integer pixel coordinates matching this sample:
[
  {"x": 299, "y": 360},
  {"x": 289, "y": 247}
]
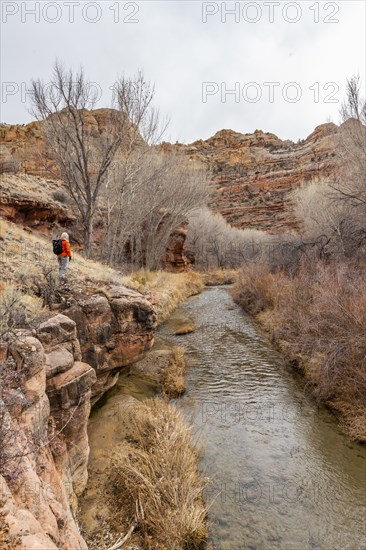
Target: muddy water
[{"x": 283, "y": 476}]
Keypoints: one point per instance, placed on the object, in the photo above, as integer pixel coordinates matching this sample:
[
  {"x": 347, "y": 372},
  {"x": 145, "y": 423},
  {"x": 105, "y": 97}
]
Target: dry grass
[
  {"x": 220, "y": 277},
  {"x": 165, "y": 290},
  {"x": 318, "y": 318},
  {"x": 159, "y": 484},
  {"x": 26, "y": 256},
  {"x": 23, "y": 255},
  {"x": 173, "y": 381},
  {"x": 255, "y": 289},
  {"x": 30, "y": 187},
  {"x": 185, "y": 327}
]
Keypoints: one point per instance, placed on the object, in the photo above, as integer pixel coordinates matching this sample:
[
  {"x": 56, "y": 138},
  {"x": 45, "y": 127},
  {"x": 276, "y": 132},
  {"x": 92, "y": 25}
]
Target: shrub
[
  {"x": 46, "y": 284},
  {"x": 60, "y": 196},
  {"x": 17, "y": 310},
  {"x": 254, "y": 289}
]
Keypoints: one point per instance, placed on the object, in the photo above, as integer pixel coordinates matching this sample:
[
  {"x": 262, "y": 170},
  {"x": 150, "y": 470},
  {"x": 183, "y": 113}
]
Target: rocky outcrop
[
  {"x": 48, "y": 380},
  {"x": 31, "y": 201},
  {"x": 175, "y": 258},
  {"x": 23, "y": 148},
  {"x": 154, "y": 365},
  {"x": 115, "y": 329},
  {"x": 252, "y": 174},
  {"x": 44, "y": 444},
  {"x": 68, "y": 387}
]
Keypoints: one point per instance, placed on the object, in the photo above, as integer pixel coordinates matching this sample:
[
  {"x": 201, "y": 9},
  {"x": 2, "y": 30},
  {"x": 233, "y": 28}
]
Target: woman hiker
[{"x": 65, "y": 256}]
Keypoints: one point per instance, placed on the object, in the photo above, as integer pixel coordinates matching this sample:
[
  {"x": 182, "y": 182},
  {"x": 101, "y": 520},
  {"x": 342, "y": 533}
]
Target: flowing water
[{"x": 283, "y": 475}]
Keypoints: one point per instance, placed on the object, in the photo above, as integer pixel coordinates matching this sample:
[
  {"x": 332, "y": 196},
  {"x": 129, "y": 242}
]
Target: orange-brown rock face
[
  {"x": 114, "y": 330},
  {"x": 175, "y": 259},
  {"x": 49, "y": 379},
  {"x": 107, "y": 329},
  {"x": 251, "y": 174},
  {"x": 22, "y": 146},
  {"x": 44, "y": 449}
]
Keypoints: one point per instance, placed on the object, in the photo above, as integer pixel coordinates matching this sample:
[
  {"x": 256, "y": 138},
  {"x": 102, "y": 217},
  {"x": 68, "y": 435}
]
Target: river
[{"x": 283, "y": 475}]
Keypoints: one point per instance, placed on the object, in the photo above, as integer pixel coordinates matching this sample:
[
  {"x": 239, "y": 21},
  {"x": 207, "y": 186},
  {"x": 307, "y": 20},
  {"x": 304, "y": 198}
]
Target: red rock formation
[
  {"x": 251, "y": 174},
  {"x": 47, "y": 390},
  {"x": 40, "y": 460},
  {"x": 175, "y": 258},
  {"x": 115, "y": 329}
]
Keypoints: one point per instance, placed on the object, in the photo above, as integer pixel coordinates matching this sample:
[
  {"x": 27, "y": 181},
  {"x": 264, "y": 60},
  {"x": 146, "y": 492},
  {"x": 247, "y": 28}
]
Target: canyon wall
[
  {"x": 250, "y": 174},
  {"x": 49, "y": 379}
]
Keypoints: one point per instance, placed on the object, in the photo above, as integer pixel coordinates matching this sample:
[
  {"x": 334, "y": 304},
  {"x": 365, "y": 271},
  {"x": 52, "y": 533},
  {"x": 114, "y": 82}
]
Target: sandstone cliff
[
  {"x": 251, "y": 174},
  {"x": 49, "y": 378}
]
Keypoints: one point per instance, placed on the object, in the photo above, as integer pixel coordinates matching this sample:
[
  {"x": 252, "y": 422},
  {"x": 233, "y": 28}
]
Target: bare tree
[
  {"x": 352, "y": 187},
  {"x": 333, "y": 213},
  {"x": 354, "y": 105},
  {"x": 134, "y": 97},
  {"x": 165, "y": 188},
  {"x": 326, "y": 219},
  {"x": 83, "y": 155},
  {"x": 215, "y": 243}
]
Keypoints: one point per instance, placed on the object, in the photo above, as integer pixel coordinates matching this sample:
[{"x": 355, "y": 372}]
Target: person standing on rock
[{"x": 64, "y": 257}]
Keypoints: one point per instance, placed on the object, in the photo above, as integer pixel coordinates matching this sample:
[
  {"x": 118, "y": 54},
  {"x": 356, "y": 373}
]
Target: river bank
[
  {"x": 317, "y": 321},
  {"x": 65, "y": 346}
]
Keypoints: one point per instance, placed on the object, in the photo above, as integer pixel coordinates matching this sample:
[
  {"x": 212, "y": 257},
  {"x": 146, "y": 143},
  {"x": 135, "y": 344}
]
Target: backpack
[{"x": 57, "y": 246}]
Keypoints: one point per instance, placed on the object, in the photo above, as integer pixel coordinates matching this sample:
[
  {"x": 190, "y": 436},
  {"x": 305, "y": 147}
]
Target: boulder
[
  {"x": 115, "y": 330},
  {"x": 68, "y": 388},
  {"x": 57, "y": 330}
]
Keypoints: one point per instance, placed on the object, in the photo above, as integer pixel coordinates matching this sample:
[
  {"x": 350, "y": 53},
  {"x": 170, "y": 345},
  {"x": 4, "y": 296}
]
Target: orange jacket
[{"x": 66, "y": 250}]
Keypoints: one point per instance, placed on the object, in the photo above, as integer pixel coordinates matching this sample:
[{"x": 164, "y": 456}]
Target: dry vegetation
[
  {"x": 311, "y": 292},
  {"x": 158, "y": 484},
  {"x": 217, "y": 246},
  {"x": 35, "y": 188},
  {"x": 161, "y": 476},
  {"x": 24, "y": 254},
  {"x": 220, "y": 277},
  {"x": 318, "y": 319},
  {"x": 172, "y": 380},
  {"x": 166, "y": 290}
]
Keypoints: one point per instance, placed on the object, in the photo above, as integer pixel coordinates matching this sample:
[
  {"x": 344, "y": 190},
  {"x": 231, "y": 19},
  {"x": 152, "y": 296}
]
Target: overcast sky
[{"x": 285, "y": 62}]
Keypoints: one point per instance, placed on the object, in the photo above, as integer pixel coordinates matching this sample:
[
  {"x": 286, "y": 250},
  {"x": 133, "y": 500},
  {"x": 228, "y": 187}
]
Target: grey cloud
[{"x": 179, "y": 52}]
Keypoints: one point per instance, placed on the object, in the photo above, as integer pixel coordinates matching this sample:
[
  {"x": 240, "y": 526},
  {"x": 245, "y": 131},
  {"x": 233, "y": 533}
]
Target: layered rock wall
[
  {"x": 251, "y": 174},
  {"x": 49, "y": 379}
]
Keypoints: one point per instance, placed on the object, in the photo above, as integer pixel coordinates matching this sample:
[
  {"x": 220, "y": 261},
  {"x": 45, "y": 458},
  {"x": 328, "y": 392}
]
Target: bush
[
  {"x": 60, "y": 196},
  {"x": 17, "y": 310},
  {"x": 254, "y": 289},
  {"x": 46, "y": 284},
  {"x": 214, "y": 243}
]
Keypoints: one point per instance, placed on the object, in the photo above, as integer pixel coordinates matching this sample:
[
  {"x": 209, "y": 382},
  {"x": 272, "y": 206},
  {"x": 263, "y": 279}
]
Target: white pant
[{"x": 63, "y": 263}]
